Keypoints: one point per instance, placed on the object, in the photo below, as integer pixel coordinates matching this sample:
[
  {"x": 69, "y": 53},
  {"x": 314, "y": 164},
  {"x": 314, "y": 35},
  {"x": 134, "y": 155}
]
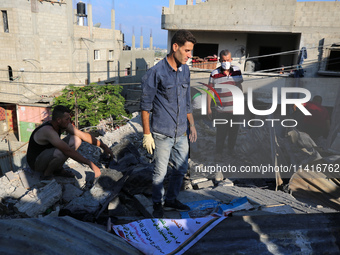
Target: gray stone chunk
[
  {"x": 91, "y": 200},
  {"x": 144, "y": 205},
  {"x": 194, "y": 182},
  {"x": 36, "y": 201},
  {"x": 204, "y": 185},
  {"x": 226, "y": 182},
  {"x": 70, "y": 192},
  {"x": 84, "y": 203}
]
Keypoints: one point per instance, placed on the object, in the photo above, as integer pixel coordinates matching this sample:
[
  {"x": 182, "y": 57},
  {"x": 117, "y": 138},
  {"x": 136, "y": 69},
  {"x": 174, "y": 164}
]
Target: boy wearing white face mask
[{"x": 229, "y": 75}]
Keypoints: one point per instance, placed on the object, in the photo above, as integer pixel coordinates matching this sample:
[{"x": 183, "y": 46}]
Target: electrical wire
[
  {"x": 74, "y": 72},
  {"x": 64, "y": 84},
  {"x": 291, "y": 67}
]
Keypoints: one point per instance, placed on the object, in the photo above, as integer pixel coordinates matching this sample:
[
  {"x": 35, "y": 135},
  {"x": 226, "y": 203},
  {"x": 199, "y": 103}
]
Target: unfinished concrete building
[
  {"x": 264, "y": 37},
  {"x": 47, "y": 45},
  {"x": 276, "y": 44},
  {"x": 253, "y": 29}
]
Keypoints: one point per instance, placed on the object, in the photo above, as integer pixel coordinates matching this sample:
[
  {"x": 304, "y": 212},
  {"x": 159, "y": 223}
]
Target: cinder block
[{"x": 11, "y": 176}]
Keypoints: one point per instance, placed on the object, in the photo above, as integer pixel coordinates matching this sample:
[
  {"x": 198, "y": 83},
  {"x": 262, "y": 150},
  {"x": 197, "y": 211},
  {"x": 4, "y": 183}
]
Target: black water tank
[{"x": 81, "y": 11}]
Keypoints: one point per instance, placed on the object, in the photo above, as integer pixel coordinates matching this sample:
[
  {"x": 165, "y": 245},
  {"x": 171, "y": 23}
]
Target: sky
[{"x": 135, "y": 15}]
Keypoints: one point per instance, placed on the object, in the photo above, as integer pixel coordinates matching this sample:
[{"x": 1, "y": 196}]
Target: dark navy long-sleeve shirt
[{"x": 167, "y": 93}]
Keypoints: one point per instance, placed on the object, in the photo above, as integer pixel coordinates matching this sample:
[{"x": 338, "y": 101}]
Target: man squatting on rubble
[
  {"x": 47, "y": 152},
  {"x": 166, "y": 92},
  {"x": 229, "y": 75}
]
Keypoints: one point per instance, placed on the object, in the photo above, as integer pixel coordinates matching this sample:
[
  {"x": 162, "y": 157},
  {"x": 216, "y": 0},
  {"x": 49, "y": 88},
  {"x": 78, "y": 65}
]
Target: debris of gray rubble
[
  {"x": 22, "y": 194},
  {"x": 37, "y": 201}
]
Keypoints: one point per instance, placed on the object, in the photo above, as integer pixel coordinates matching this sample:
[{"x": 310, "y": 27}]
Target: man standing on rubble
[
  {"x": 47, "y": 152},
  {"x": 166, "y": 92},
  {"x": 228, "y": 75}
]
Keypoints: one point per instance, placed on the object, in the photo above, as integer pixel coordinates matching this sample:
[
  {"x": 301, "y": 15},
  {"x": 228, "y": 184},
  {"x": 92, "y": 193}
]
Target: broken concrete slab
[
  {"x": 115, "y": 191},
  {"x": 37, "y": 201},
  {"x": 33, "y": 178},
  {"x": 266, "y": 197},
  {"x": 85, "y": 204},
  {"x": 91, "y": 200},
  {"x": 18, "y": 192}
]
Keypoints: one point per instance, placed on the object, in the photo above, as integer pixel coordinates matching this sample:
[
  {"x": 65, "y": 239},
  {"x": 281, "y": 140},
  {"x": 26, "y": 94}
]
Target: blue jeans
[{"x": 176, "y": 150}]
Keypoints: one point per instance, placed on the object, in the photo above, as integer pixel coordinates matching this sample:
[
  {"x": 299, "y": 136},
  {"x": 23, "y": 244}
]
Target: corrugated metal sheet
[
  {"x": 58, "y": 235},
  {"x": 273, "y": 234}
]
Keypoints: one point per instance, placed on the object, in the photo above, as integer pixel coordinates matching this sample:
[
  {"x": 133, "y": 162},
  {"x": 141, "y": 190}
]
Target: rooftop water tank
[{"x": 81, "y": 9}]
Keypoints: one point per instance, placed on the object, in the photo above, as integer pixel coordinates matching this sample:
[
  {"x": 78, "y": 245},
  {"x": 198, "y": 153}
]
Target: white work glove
[{"x": 148, "y": 143}]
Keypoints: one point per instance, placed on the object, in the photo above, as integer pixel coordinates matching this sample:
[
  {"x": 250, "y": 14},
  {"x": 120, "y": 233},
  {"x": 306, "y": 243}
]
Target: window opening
[
  {"x": 128, "y": 71},
  {"x": 10, "y": 73},
  {"x": 5, "y": 21},
  {"x": 110, "y": 54},
  {"x": 333, "y": 63},
  {"x": 96, "y": 55}
]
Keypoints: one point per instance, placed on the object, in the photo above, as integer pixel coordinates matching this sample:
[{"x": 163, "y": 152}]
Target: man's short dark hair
[
  {"x": 224, "y": 53},
  {"x": 317, "y": 99},
  {"x": 58, "y": 111},
  {"x": 181, "y": 37}
]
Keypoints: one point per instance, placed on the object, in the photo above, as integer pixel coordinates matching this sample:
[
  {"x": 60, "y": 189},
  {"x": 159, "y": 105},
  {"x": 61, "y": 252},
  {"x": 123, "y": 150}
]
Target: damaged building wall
[{"x": 36, "y": 41}]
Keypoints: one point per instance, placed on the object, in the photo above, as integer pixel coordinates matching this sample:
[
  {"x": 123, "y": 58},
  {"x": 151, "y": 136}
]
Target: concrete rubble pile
[
  {"x": 23, "y": 194},
  {"x": 124, "y": 188}
]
